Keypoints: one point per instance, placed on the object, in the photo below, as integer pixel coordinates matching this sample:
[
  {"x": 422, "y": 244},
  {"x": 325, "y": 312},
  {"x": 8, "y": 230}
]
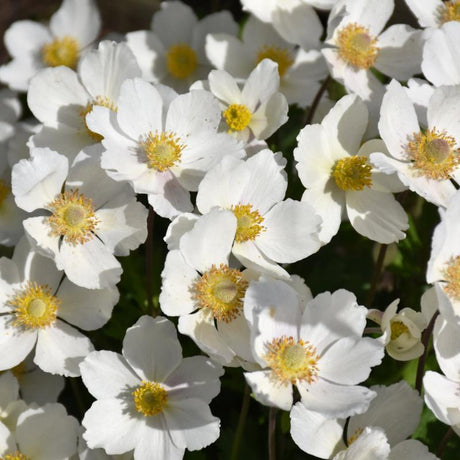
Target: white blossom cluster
[{"x": 177, "y": 121}]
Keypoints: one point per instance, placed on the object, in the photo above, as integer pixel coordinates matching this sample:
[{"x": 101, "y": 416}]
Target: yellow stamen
[
  {"x": 452, "y": 278},
  {"x": 352, "y": 173},
  {"x": 397, "y": 329},
  {"x": 150, "y": 398},
  {"x": 249, "y": 222},
  {"x": 355, "y": 436},
  {"x": 163, "y": 150},
  {"x": 181, "y": 61},
  {"x": 220, "y": 292},
  {"x": 449, "y": 11},
  {"x": 34, "y": 307},
  {"x": 15, "y": 456},
  {"x": 4, "y": 191},
  {"x": 101, "y": 101},
  {"x": 292, "y": 360},
  {"x": 434, "y": 154},
  {"x": 356, "y": 46},
  {"x": 73, "y": 217},
  {"x": 237, "y": 117},
  {"x": 281, "y": 56},
  {"x": 61, "y": 51}
]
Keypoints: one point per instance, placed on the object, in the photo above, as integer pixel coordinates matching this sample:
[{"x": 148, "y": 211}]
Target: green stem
[
  {"x": 316, "y": 100},
  {"x": 241, "y": 422},
  {"x": 376, "y": 275},
  {"x": 444, "y": 441},
  {"x": 149, "y": 261},
  {"x": 272, "y": 433}
]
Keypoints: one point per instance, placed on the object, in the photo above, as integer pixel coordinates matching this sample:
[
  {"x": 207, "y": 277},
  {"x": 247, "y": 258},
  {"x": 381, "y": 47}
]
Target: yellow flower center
[
  {"x": 150, "y": 398},
  {"x": 292, "y": 361},
  {"x": 281, "y": 56},
  {"x": 162, "y": 150},
  {"x": 181, "y": 61},
  {"x": 450, "y": 11},
  {"x": 34, "y": 307},
  {"x": 452, "y": 278},
  {"x": 397, "y": 329},
  {"x": 249, "y": 222},
  {"x": 355, "y": 436},
  {"x": 220, "y": 292},
  {"x": 99, "y": 101},
  {"x": 237, "y": 117},
  {"x": 352, "y": 173},
  {"x": 434, "y": 154},
  {"x": 356, "y": 46},
  {"x": 4, "y": 191},
  {"x": 15, "y": 456},
  {"x": 73, "y": 217},
  {"x": 61, "y": 51}
]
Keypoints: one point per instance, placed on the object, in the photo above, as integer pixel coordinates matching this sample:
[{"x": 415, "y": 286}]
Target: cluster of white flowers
[{"x": 181, "y": 121}]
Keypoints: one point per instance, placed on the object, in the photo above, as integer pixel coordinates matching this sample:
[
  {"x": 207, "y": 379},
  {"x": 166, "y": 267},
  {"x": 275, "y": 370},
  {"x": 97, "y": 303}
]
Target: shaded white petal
[
  {"x": 155, "y": 443},
  {"x": 442, "y": 111},
  {"x": 268, "y": 390},
  {"x": 38, "y": 233},
  {"x": 25, "y": 37},
  {"x": 262, "y": 83},
  {"x": 224, "y": 87},
  {"x": 411, "y": 450}
]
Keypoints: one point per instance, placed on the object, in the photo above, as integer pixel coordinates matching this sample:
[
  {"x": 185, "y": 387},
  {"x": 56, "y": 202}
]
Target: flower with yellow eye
[
  {"x": 84, "y": 218},
  {"x": 315, "y": 346},
  {"x": 155, "y": 402},
  {"x": 34, "y": 46},
  {"x": 172, "y": 52},
  {"x": 425, "y": 160},
  {"x": 341, "y": 181}
]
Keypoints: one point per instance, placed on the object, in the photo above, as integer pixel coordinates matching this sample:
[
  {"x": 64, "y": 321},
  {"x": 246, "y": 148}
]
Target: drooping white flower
[
  {"x": 396, "y": 410},
  {"x": 155, "y": 403},
  {"x": 33, "y": 46},
  {"x": 83, "y": 218},
  {"x": 357, "y": 44},
  {"x": 269, "y": 231},
  {"x": 162, "y": 143},
  {"x": 45, "y": 432},
  {"x": 256, "y": 110},
  {"x": 425, "y": 161},
  {"x": 317, "y": 346},
  {"x": 61, "y": 98},
  {"x": 300, "y": 71},
  {"x": 200, "y": 287},
  {"x": 339, "y": 179},
  {"x": 441, "y": 391},
  {"x": 39, "y": 309},
  {"x": 441, "y": 57},
  {"x": 173, "y": 53}
]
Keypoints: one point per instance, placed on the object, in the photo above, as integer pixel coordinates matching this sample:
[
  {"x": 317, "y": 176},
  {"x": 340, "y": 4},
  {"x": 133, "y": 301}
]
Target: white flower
[
  {"x": 255, "y": 111},
  {"x": 426, "y": 160},
  {"x": 61, "y": 98},
  {"x": 173, "y": 52},
  {"x": 340, "y": 180},
  {"x": 300, "y": 71},
  {"x": 33, "y": 46},
  {"x": 150, "y": 399},
  {"x": 45, "y": 432},
  {"x": 295, "y": 20},
  {"x": 269, "y": 231},
  {"x": 317, "y": 346},
  {"x": 162, "y": 143},
  {"x": 10, "y": 404},
  {"x": 83, "y": 217},
  {"x": 39, "y": 308},
  {"x": 199, "y": 286},
  {"x": 441, "y": 56},
  {"x": 434, "y": 13},
  {"x": 395, "y": 410},
  {"x": 442, "y": 391},
  {"x": 358, "y": 44}
]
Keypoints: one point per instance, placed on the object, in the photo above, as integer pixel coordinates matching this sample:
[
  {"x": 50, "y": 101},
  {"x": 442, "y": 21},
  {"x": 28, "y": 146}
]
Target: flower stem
[
  {"x": 444, "y": 441},
  {"x": 376, "y": 275},
  {"x": 241, "y": 422},
  {"x": 149, "y": 261},
  {"x": 314, "y": 105},
  {"x": 421, "y": 361},
  {"x": 272, "y": 433}
]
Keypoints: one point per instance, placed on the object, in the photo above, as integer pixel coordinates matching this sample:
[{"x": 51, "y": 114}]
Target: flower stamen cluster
[
  {"x": 150, "y": 398},
  {"x": 452, "y": 278},
  {"x": 163, "y": 150},
  {"x": 15, "y": 456},
  {"x": 237, "y": 117},
  {"x": 61, "y": 51},
  {"x": 181, "y": 61},
  {"x": 449, "y": 11},
  {"x": 352, "y": 173},
  {"x": 281, "y": 56},
  {"x": 249, "y": 222}
]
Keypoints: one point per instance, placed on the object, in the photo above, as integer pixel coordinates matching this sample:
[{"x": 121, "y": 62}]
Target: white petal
[
  {"x": 38, "y": 233},
  {"x": 25, "y": 37},
  {"x": 107, "y": 375},
  {"x": 442, "y": 111},
  {"x": 411, "y": 450},
  {"x": 376, "y": 215},
  {"x": 159, "y": 336},
  {"x": 154, "y": 442},
  {"x": 224, "y": 87},
  {"x": 60, "y": 349},
  {"x": 268, "y": 391},
  {"x": 447, "y": 347},
  {"x": 9, "y": 389},
  {"x": 372, "y": 14},
  {"x": 426, "y": 13}
]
